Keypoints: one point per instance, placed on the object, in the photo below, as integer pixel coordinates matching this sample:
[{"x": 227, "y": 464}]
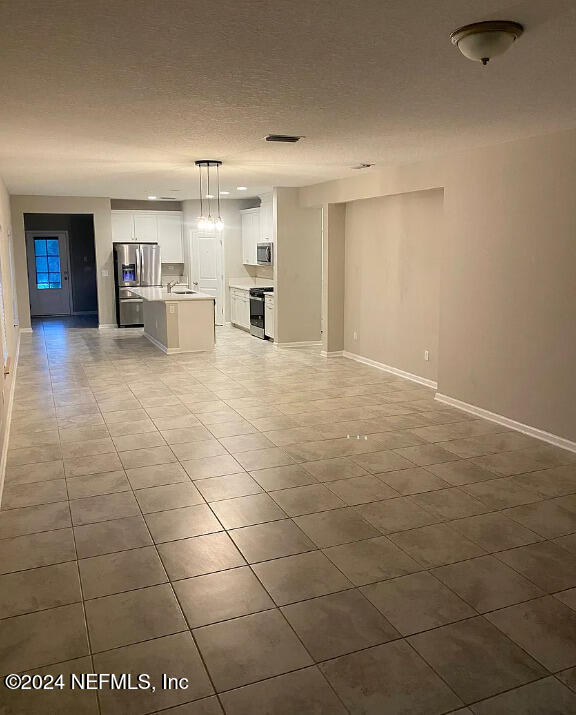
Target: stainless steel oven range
[{"x": 257, "y": 311}]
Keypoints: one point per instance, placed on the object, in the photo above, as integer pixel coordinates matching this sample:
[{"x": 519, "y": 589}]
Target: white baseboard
[
  {"x": 334, "y": 353},
  {"x": 507, "y": 422},
  {"x": 9, "y": 405},
  {"x": 394, "y": 370},
  {"x": 305, "y": 344},
  {"x": 170, "y": 351},
  {"x": 106, "y": 326}
]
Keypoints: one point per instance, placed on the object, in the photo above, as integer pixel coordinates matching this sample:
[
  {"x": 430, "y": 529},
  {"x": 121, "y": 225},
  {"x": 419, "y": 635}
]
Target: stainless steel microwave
[{"x": 264, "y": 253}]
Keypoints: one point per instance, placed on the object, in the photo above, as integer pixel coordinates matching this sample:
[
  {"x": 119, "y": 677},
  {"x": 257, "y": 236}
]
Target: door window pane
[
  {"x": 53, "y": 264},
  {"x": 47, "y": 257},
  {"x": 41, "y": 264},
  {"x": 52, "y": 247}
]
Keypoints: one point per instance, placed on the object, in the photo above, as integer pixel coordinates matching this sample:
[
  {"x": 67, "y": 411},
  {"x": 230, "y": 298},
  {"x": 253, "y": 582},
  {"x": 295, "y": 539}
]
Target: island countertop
[{"x": 156, "y": 294}]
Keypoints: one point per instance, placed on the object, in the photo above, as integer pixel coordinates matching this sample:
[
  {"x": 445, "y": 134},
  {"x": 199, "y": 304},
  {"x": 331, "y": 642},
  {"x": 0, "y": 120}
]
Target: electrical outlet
[
  {"x": 171, "y": 308},
  {"x": 355, "y": 335},
  {"x": 426, "y": 355}
]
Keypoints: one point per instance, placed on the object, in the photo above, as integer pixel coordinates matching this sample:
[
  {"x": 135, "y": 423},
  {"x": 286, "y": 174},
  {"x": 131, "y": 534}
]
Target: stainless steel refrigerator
[{"x": 135, "y": 265}]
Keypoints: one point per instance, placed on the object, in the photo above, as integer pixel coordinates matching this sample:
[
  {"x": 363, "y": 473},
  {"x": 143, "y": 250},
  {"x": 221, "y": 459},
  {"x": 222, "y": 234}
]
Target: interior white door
[
  {"x": 48, "y": 273},
  {"x": 207, "y": 269}
]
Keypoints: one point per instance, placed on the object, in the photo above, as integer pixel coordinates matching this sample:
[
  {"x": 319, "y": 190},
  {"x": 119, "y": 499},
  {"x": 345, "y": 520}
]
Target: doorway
[
  {"x": 48, "y": 273},
  {"x": 61, "y": 259},
  {"x": 205, "y": 260}
]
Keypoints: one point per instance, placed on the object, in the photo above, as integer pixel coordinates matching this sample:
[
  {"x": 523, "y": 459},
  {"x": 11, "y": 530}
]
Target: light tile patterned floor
[{"x": 291, "y": 533}]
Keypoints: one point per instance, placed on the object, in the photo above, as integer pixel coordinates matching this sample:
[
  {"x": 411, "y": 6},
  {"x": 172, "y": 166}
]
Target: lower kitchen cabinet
[
  {"x": 269, "y": 316},
  {"x": 240, "y": 307}
]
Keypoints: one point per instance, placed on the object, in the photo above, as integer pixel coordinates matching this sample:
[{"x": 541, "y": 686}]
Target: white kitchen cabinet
[
  {"x": 233, "y": 307},
  {"x": 244, "y": 317},
  {"x": 122, "y": 226},
  {"x": 250, "y": 235},
  {"x": 266, "y": 219},
  {"x": 269, "y": 317},
  {"x": 162, "y": 227},
  {"x": 240, "y": 307},
  {"x": 170, "y": 225},
  {"x": 146, "y": 227}
]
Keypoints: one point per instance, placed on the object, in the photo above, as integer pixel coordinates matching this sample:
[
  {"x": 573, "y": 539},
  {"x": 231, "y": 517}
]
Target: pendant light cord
[
  {"x": 200, "y": 185},
  {"x": 218, "y": 181},
  {"x": 208, "y": 191}
]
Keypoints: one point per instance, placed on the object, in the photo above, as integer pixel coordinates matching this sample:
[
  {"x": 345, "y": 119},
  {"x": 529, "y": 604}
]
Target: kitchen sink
[{"x": 184, "y": 292}]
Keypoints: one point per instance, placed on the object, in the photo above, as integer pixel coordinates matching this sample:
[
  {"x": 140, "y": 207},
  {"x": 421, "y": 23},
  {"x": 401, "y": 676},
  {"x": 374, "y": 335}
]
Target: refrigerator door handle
[{"x": 139, "y": 265}]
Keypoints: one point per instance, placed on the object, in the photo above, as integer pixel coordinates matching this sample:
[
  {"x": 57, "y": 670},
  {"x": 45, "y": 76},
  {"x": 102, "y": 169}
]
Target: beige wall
[
  {"x": 333, "y": 276},
  {"x": 11, "y": 330},
  {"x": 507, "y": 340},
  {"x": 392, "y": 279},
  {"x": 139, "y": 205},
  {"x": 100, "y": 208},
  {"x": 297, "y": 269}
]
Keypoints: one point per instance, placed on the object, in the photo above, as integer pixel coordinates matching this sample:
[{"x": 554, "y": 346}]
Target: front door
[
  {"x": 208, "y": 268},
  {"x": 48, "y": 273}
]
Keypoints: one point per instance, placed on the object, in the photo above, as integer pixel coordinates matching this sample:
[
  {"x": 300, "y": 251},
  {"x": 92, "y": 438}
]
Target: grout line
[{"x": 425, "y": 569}]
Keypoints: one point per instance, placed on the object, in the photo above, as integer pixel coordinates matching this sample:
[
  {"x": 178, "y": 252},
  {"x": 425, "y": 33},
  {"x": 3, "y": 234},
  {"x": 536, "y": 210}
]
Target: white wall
[{"x": 100, "y": 208}]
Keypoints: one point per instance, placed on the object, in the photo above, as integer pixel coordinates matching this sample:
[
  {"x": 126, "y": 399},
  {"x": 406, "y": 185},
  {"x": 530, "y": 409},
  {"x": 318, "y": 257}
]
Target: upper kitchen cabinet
[
  {"x": 250, "y": 235},
  {"x": 122, "y": 226},
  {"x": 266, "y": 218},
  {"x": 162, "y": 227},
  {"x": 170, "y": 225},
  {"x": 146, "y": 227}
]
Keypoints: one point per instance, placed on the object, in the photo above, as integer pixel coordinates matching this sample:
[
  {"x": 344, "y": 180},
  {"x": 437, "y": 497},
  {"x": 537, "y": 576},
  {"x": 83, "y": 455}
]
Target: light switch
[{"x": 105, "y": 273}]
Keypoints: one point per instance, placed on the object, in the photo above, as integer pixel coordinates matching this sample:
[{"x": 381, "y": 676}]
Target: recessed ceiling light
[
  {"x": 209, "y": 196},
  {"x": 152, "y": 198},
  {"x": 241, "y": 188},
  {"x": 224, "y": 193}
]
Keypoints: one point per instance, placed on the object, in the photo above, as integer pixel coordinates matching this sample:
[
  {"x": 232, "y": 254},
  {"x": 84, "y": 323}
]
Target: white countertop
[
  {"x": 246, "y": 285},
  {"x": 160, "y": 294}
]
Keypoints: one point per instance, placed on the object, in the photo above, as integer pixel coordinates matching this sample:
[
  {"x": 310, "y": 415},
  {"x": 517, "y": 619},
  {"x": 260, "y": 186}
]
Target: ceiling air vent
[
  {"x": 362, "y": 166},
  {"x": 285, "y": 138},
  {"x": 168, "y": 198}
]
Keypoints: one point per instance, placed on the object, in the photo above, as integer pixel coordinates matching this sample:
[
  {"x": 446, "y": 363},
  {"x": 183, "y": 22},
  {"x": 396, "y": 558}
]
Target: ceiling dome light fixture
[
  {"x": 206, "y": 221},
  {"x": 481, "y": 41}
]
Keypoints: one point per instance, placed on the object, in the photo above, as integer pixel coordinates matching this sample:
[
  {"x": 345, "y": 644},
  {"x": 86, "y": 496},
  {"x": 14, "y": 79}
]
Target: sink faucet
[{"x": 171, "y": 285}]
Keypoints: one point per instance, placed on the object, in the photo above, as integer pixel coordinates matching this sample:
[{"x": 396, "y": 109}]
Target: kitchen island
[{"x": 177, "y": 322}]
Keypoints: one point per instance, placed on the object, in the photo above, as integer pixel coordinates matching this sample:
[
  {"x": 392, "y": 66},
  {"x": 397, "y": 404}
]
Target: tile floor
[{"x": 290, "y": 533}]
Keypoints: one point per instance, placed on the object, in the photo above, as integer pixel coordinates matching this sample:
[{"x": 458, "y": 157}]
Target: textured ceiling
[{"x": 118, "y": 97}]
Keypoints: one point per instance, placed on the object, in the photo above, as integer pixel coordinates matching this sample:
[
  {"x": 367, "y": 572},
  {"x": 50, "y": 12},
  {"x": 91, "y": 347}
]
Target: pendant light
[{"x": 207, "y": 221}]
